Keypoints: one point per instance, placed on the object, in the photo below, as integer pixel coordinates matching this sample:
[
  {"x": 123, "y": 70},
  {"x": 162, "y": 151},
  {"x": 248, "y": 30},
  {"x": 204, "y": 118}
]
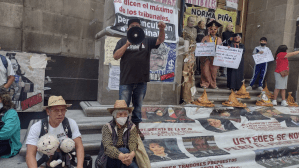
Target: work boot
[{"x": 139, "y": 132}]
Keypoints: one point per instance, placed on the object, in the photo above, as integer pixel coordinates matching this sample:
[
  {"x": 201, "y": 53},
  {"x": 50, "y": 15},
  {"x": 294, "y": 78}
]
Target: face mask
[
  {"x": 263, "y": 44},
  {"x": 1, "y": 105},
  {"x": 121, "y": 120}
]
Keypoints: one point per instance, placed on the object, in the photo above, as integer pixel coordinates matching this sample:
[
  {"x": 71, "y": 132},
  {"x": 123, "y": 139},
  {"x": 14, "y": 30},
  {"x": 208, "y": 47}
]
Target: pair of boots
[{"x": 139, "y": 132}]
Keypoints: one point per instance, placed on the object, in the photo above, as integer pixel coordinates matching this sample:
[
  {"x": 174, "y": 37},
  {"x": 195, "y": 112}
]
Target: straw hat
[
  {"x": 120, "y": 105},
  {"x": 56, "y": 101}
]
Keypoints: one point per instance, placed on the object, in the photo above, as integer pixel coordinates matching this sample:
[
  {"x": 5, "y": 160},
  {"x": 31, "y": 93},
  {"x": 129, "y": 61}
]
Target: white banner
[
  {"x": 27, "y": 91},
  {"x": 212, "y": 4},
  {"x": 205, "y": 49},
  {"x": 228, "y": 57},
  {"x": 262, "y": 58},
  {"x": 232, "y": 4},
  {"x": 185, "y": 137},
  {"x": 149, "y": 13}
]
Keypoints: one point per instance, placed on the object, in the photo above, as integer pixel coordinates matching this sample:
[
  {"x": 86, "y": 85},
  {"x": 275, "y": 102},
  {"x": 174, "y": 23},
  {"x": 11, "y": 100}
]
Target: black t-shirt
[{"x": 135, "y": 63}]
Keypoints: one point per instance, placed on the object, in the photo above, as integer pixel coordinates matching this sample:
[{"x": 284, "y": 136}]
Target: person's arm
[
  {"x": 110, "y": 150},
  {"x": 291, "y": 54},
  {"x": 219, "y": 41},
  {"x": 204, "y": 39},
  {"x": 12, "y": 124},
  {"x": 10, "y": 80},
  {"x": 161, "y": 37},
  {"x": 133, "y": 144},
  {"x": 79, "y": 152},
  {"x": 30, "y": 156},
  {"x": 120, "y": 52}
]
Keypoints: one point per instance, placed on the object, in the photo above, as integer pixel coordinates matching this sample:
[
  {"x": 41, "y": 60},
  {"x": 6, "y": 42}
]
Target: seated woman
[
  {"x": 10, "y": 144},
  {"x": 119, "y": 139}
]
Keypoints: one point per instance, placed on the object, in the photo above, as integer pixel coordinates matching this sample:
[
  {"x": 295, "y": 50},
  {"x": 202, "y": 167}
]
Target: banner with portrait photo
[
  {"x": 162, "y": 63},
  {"x": 203, "y": 14},
  {"x": 149, "y": 13},
  {"x": 178, "y": 136},
  {"x": 27, "y": 91}
]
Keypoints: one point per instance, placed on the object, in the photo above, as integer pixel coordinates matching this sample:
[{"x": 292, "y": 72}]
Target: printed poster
[
  {"x": 212, "y": 4},
  {"x": 27, "y": 91},
  {"x": 162, "y": 63},
  {"x": 149, "y": 13},
  {"x": 178, "y": 136},
  {"x": 110, "y": 43},
  {"x": 232, "y": 4},
  {"x": 114, "y": 73}
]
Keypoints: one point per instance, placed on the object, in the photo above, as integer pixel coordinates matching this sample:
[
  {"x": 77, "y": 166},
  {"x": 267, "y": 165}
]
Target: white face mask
[
  {"x": 121, "y": 120},
  {"x": 1, "y": 105}
]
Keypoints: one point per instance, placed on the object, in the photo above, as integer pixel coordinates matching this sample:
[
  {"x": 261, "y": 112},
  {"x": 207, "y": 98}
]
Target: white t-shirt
[
  {"x": 35, "y": 130},
  {"x": 4, "y": 73}
]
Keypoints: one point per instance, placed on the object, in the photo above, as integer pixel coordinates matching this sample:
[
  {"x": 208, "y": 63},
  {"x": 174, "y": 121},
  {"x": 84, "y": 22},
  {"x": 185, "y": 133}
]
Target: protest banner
[
  {"x": 184, "y": 137},
  {"x": 162, "y": 63},
  {"x": 27, "y": 91},
  {"x": 228, "y": 57},
  {"x": 212, "y": 4},
  {"x": 149, "y": 13},
  {"x": 205, "y": 49},
  {"x": 262, "y": 58}
]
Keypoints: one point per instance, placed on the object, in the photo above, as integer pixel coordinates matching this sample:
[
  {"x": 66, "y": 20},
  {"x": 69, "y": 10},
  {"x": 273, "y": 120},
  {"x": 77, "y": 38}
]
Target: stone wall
[
  {"x": 276, "y": 20},
  {"x": 60, "y": 27}
]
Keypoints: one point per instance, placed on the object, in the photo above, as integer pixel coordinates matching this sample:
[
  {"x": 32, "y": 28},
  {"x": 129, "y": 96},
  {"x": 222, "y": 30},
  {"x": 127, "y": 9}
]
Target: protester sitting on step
[
  {"x": 56, "y": 124},
  {"x": 119, "y": 139},
  {"x": 10, "y": 144},
  {"x": 281, "y": 73}
]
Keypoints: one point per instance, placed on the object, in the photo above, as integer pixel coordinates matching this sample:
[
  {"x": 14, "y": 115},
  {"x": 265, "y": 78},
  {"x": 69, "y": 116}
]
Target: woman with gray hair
[{"x": 119, "y": 139}]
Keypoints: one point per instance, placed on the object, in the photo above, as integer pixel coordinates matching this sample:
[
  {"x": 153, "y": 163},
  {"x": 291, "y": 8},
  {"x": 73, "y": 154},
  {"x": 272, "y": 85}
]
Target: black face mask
[{"x": 263, "y": 44}]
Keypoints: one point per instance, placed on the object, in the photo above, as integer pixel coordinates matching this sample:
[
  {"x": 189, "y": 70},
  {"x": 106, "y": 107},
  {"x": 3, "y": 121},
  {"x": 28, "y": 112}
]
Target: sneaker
[
  {"x": 284, "y": 103},
  {"x": 274, "y": 102},
  {"x": 260, "y": 88},
  {"x": 249, "y": 88}
]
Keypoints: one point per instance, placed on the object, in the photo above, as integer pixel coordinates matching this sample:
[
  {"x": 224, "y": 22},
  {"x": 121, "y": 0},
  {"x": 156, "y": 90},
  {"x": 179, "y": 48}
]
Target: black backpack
[{"x": 65, "y": 123}]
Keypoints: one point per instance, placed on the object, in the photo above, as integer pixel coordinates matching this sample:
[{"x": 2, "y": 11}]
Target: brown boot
[{"x": 139, "y": 132}]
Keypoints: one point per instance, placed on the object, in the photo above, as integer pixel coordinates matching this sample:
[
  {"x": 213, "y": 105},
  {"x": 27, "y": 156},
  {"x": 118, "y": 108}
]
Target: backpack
[
  {"x": 65, "y": 125},
  {"x": 4, "y": 61}
]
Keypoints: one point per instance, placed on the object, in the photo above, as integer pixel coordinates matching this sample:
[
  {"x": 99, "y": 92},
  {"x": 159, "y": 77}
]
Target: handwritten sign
[
  {"x": 110, "y": 43},
  {"x": 205, "y": 49},
  {"x": 228, "y": 57},
  {"x": 265, "y": 57},
  {"x": 113, "y": 83},
  {"x": 232, "y": 4}
]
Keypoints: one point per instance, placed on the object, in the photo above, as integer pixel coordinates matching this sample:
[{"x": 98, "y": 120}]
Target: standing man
[
  {"x": 135, "y": 68},
  {"x": 56, "y": 110},
  {"x": 6, "y": 73}
]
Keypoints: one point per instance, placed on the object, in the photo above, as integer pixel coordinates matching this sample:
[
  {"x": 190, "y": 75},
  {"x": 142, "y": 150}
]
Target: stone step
[
  {"x": 91, "y": 144},
  {"x": 223, "y": 92}
]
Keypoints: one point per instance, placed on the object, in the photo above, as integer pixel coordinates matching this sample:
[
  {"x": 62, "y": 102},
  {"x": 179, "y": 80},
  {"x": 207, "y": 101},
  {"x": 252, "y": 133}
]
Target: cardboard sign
[
  {"x": 262, "y": 58},
  {"x": 228, "y": 57},
  {"x": 205, "y": 49}
]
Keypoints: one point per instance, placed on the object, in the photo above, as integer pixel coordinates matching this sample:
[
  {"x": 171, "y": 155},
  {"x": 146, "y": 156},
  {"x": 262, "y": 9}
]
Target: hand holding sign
[{"x": 262, "y": 57}]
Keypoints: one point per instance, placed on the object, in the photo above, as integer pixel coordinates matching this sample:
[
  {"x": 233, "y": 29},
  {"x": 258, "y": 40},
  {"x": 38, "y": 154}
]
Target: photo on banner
[
  {"x": 232, "y": 114},
  {"x": 149, "y": 13},
  {"x": 202, "y": 146},
  {"x": 219, "y": 125},
  {"x": 162, "y": 63},
  {"x": 27, "y": 91},
  {"x": 166, "y": 149}
]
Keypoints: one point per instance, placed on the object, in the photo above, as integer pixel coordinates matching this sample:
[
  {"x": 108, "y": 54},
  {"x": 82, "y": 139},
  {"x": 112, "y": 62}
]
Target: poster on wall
[
  {"x": 27, "y": 91},
  {"x": 162, "y": 63},
  {"x": 220, "y": 137},
  {"x": 149, "y": 13},
  {"x": 232, "y": 4},
  {"x": 203, "y": 14},
  {"x": 212, "y": 4}
]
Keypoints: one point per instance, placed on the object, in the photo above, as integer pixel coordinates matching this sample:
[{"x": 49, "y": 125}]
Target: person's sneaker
[
  {"x": 284, "y": 103},
  {"x": 260, "y": 88},
  {"x": 249, "y": 88},
  {"x": 274, "y": 102}
]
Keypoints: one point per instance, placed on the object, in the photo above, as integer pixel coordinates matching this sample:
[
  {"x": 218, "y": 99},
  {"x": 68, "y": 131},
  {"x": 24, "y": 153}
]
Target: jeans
[
  {"x": 136, "y": 92},
  {"x": 115, "y": 163}
]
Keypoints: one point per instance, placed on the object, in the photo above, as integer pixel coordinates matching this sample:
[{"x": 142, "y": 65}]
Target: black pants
[{"x": 4, "y": 147}]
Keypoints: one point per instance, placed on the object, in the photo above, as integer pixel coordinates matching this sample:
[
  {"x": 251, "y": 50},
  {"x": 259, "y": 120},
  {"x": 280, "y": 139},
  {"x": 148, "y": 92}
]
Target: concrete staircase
[{"x": 221, "y": 95}]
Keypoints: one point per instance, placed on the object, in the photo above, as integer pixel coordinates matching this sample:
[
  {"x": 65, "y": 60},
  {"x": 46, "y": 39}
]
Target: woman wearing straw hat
[
  {"x": 119, "y": 139},
  {"x": 10, "y": 144}
]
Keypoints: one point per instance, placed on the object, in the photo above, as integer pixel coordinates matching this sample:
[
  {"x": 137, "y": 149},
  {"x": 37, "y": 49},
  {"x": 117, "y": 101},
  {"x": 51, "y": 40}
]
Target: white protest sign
[
  {"x": 232, "y": 4},
  {"x": 205, "y": 49},
  {"x": 114, "y": 73},
  {"x": 265, "y": 57},
  {"x": 228, "y": 57}
]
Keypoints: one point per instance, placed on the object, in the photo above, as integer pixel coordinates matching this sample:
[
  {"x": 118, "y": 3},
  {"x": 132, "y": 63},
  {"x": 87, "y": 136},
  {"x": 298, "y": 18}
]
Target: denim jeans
[
  {"x": 136, "y": 92},
  {"x": 115, "y": 163}
]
